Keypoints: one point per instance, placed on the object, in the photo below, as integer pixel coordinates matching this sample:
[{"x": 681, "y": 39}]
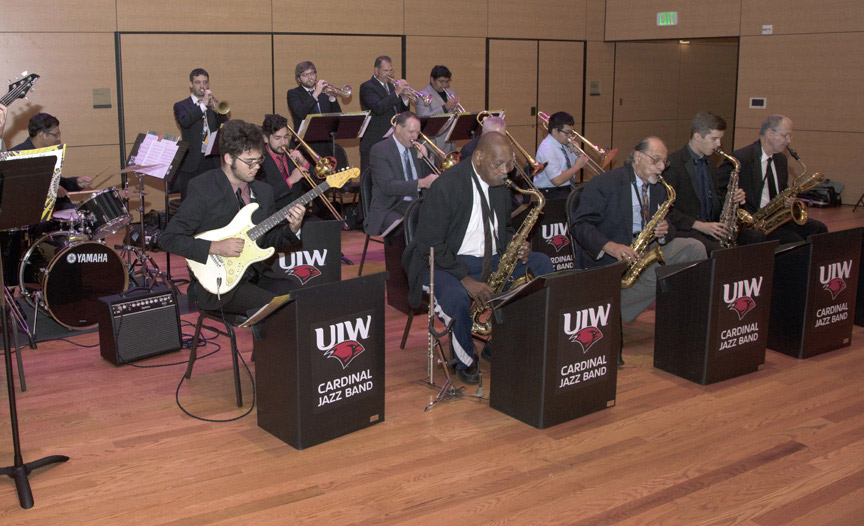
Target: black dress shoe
[
  {"x": 470, "y": 375},
  {"x": 620, "y": 360}
]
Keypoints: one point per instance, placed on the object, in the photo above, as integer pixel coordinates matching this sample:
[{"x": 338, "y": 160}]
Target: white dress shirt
[
  {"x": 550, "y": 151},
  {"x": 473, "y": 243},
  {"x": 766, "y": 194}
]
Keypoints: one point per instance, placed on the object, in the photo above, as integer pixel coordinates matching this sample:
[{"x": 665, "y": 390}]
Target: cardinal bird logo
[
  {"x": 304, "y": 273},
  {"x": 587, "y": 337},
  {"x": 345, "y": 352},
  {"x": 742, "y": 306},
  {"x": 835, "y": 287},
  {"x": 559, "y": 242}
]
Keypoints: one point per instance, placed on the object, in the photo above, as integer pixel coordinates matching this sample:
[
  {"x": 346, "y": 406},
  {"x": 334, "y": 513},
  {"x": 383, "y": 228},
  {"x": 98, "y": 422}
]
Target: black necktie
[
  {"x": 769, "y": 174},
  {"x": 704, "y": 188},
  {"x": 486, "y": 269},
  {"x": 239, "y": 194}
]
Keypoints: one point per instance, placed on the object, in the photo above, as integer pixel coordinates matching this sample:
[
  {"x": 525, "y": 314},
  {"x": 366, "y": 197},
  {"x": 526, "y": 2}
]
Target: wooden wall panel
[
  {"x": 72, "y": 16},
  {"x": 595, "y": 19},
  {"x": 446, "y": 18},
  {"x": 465, "y": 57},
  {"x": 513, "y": 79},
  {"x": 194, "y": 16},
  {"x": 814, "y": 79},
  {"x": 65, "y": 88},
  {"x": 551, "y": 19},
  {"x": 625, "y": 135},
  {"x": 629, "y": 20},
  {"x": 599, "y": 66},
  {"x": 801, "y": 16},
  {"x": 382, "y": 17},
  {"x": 646, "y": 93},
  {"x": 561, "y": 79},
  {"x": 92, "y": 160},
  {"x": 708, "y": 79},
  {"x": 339, "y": 60},
  {"x": 600, "y": 133},
  {"x": 239, "y": 68}
]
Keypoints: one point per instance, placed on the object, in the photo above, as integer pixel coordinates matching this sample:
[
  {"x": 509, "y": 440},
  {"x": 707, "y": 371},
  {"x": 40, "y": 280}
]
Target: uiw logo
[
  {"x": 740, "y": 296},
  {"x": 583, "y": 327},
  {"x": 343, "y": 343},
  {"x": 833, "y": 277},
  {"x": 556, "y": 235},
  {"x": 304, "y": 265}
]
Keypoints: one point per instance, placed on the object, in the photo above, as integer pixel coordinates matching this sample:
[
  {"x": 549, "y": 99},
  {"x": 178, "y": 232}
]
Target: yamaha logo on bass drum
[{"x": 90, "y": 257}]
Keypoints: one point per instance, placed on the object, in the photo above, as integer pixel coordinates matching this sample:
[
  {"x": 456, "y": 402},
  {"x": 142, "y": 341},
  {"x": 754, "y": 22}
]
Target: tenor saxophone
[
  {"x": 729, "y": 216},
  {"x": 645, "y": 238},
  {"x": 499, "y": 279}
]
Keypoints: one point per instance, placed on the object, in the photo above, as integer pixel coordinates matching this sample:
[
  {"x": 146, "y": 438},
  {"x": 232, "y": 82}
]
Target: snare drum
[
  {"x": 66, "y": 274},
  {"x": 107, "y": 211}
]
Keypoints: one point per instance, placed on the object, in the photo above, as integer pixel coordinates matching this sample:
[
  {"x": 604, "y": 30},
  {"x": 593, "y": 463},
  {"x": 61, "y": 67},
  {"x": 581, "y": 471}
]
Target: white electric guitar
[{"x": 222, "y": 273}]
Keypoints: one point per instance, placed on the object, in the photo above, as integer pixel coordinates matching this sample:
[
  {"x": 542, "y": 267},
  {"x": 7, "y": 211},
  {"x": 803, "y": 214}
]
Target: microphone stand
[{"x": 19, "y": 470}]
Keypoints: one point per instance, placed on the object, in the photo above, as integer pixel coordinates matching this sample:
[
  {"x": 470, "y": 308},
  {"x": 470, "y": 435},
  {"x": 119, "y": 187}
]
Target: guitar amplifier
[{"x": 138, "y": 324}]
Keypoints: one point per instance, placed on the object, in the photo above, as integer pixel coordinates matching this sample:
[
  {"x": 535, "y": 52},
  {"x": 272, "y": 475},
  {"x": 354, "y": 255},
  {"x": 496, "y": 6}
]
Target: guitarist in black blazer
[
  {"x": 384, "y": 100},
  {"x": 212, "y": 202},
  {"x": 452, "y": 221},
  {"x": 693, "y": 175},
  {"x": 775, "y": 135},
  {"x": 190, "y": 114}
]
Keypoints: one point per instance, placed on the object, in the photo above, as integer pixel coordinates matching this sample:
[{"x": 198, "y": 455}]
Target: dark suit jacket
[
  {"x": 468, "y": 150},
  {"x": 750, "y": 177},
  {"x": 190, "y": 118},
  {"x": 389, "y": 185},
  {"x": 70, "y": 184},
  {"x": 605, "y": 213},
  {"x": 374, "y": 98},
  {"x": 681, "y": 175},
  {"x": 283, "y": 194},
  {"x": 443, "y": 222},
  {"x": 210, "y": 204},
  {"x": 301, "y": 103}
]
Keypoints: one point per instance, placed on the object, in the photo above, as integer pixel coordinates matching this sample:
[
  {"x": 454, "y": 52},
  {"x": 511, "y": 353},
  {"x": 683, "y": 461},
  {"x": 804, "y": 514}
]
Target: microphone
[{"x": 793, "y": 153}]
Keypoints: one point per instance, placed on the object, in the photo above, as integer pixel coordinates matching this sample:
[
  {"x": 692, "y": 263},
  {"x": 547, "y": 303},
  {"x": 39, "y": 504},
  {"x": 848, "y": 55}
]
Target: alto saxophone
[
  {"x": 729, "y": 216},
  {"x": 501, "y": 277},
  {"x": 776, "y": 213},
  {"x": 645, "y": 238}
]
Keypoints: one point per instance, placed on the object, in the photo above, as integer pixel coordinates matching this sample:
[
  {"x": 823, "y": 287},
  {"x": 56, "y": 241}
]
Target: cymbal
[{"x": 130, "y": 193}]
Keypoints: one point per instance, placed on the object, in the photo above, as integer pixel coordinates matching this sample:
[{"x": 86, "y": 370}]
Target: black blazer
[
  {"x": 302, "y": 103},
  {"x": 681, "y": 175},
  {"x": 750, "y": 177},
  {"x": 605, "y": 213},
  {"x": 374, "y": 98},
  {"x": 389, "y": 186},
  {"x": 283, "y": 194},
  {"x": 443, "y": 222},
  {"x": 210, "y": 204},
  {"x": 190, "y": 118}
]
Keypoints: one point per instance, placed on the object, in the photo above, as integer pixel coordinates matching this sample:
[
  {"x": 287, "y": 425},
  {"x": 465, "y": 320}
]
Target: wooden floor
[{"x": 783, "y": 446}]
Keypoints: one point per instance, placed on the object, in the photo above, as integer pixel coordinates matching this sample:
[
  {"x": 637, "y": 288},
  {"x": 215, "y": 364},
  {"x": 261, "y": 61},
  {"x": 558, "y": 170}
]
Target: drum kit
[{"x": 64, "y": 265}]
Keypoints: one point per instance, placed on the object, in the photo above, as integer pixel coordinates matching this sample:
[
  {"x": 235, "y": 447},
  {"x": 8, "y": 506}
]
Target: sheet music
[
  {"x": 210, "y": 142},
  {"x": 155, "y": 152}
]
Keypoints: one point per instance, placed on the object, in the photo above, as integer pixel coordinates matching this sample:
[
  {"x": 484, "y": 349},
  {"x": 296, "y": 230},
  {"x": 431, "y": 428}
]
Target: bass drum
[{"x": 66, "y": 275}]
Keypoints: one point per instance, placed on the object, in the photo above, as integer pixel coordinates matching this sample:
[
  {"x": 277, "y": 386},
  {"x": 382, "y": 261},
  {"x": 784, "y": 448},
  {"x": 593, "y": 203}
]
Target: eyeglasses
[
  {"x": 787, "y": 136},
  {"x": 308, "y": 74},
  {"x": 251, "y": 162},
  {"x": 656, "y": 160},
  {"x": 55, "y": 135}
]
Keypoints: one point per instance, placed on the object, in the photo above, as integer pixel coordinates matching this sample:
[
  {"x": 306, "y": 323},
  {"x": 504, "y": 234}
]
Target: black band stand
[{"x": 25, "y": 183}]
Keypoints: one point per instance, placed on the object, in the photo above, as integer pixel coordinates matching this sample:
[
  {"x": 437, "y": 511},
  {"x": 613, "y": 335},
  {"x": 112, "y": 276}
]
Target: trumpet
[
  {"x": 598, "y": 158},
  {"x": 222, "y": 108},
  {"x": 536, "y": 167},
  {"x": 344, "y": 92},
  {"x": 311, "y": 182},
  {"x": 448, "y": 160},
  {"x": 413, "y": 94},
  {"x": 324, "y": 166},
  {"x": 459, "y": 108}
]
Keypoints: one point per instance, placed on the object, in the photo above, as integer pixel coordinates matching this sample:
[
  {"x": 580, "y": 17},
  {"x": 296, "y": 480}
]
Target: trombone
[
  {"x": 603, "y": 157},
  {"x": 413, "y": 94},
  {"x": 344, "y": 92},
  {"x": 222, "y": 108},
  {"x": 448, "y": 160},
  {"x": 536, "y": 167},
  {"x": 324, "y": 166},
  {"x": 311, "y": 182}
]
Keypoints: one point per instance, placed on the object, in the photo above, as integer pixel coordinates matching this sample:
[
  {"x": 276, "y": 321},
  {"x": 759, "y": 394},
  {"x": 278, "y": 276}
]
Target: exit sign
[{"x": 667, "y": 18}]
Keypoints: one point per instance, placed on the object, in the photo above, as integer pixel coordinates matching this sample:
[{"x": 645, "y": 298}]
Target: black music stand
[
  {"x": 859, "y": 299},
  {"x": 24, "y": 183},
  {"x": 465, "y": 126},
  {"x": 430, "y": 125},
  {"x": 321, "y": 127}
]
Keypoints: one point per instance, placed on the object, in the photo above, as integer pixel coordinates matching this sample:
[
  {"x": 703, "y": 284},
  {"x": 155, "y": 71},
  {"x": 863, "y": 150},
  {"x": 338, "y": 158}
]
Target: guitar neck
[
  {"x": 264, "y": 226},
  {"x": 13, "y": 94}
]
